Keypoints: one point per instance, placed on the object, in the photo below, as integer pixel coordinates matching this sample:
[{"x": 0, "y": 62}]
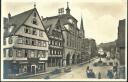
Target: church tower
[
  {"x": 67, "y": 9},
  {"x": 82, "y": 29}
]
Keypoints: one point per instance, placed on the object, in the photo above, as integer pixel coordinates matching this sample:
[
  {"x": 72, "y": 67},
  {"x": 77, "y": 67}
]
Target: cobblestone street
[{"x": 79, "y": 72}]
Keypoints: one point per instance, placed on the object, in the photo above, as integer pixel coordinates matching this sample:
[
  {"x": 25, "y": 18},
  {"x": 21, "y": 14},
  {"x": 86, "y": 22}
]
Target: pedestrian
[
  {"x": 99, "y": 75},
  {"x": 87, "y": 72},
  {"x": 92, "y": 74},
  {"x": 110, "y": 74}
]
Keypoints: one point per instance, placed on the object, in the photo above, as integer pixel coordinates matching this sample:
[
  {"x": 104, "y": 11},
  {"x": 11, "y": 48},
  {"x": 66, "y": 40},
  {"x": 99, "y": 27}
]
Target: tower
[
  {"x": 67, "y": 9},
  {"x": 82, "y": 28}
]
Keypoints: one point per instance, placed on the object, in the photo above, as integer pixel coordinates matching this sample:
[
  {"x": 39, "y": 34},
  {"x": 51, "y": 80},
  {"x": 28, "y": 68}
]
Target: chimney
[{"x": 9, "y": 15}]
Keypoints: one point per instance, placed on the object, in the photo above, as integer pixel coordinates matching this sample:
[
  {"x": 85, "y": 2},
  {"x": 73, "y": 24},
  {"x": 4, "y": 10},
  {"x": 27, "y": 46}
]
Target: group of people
[{"x": 110, "y": 73}]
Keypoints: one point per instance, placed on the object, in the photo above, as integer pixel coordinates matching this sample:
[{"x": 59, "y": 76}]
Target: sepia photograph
[{"x": 63, "y": 40}]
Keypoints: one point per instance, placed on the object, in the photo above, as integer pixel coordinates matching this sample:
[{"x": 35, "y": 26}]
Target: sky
[{"x": 100, "y": 17}]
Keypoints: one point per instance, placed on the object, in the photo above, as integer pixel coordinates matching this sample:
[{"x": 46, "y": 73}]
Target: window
[
  {"x": 18, "y": 53},
  {"x": 10, "y": 53},
  {"x": 11, "y": 28},
  {"x": 32, "y": 54},
  {"x": 27, "y": 41},
  {"x": 33, "y": 42},
  {"x": 34, "y": 32},
  {"x": 55, "y": 52},
  {"x": 26, "y": 30},
  {"x": 34, "y": 14},
  {"x": 41, "y": 33},
  {"x": 39, "y": 54},
  {"x": 43, "y": 54},
  {"x": 26, "y": 53},
  {"x": 44, "y": 44},
  {"x": 50, "y": 51},
  {"x": 20, "y": 40},
  {"x": 34, "y": 21},
  {"x": 39, "y": 43},
  {"x": 10, "y": 40}
]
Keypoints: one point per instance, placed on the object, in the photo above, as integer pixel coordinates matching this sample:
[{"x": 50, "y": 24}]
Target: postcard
[{"x": 64, "y": 40}]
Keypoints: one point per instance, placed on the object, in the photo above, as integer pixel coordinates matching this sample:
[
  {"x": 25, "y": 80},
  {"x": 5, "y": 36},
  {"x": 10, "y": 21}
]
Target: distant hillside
[{"x": 108, "y": 46}]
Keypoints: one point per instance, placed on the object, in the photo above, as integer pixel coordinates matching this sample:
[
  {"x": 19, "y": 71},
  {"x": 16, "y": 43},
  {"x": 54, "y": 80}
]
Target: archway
[
  {"x": 73, "y": 59},
  {"x": 68, "y": 59}
]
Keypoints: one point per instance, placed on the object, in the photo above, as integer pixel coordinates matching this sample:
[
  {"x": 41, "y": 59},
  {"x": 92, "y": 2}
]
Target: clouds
[{"x": 100, "y": 17}]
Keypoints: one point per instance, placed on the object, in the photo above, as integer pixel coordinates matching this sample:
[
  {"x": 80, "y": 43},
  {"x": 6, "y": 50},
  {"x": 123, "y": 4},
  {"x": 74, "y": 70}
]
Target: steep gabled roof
[
  {"x": 18, "y": 20},
  {"x": 50, "y": 24}
]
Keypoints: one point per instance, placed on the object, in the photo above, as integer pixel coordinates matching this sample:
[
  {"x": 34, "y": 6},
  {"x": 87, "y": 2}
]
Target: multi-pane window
[
  {"x": 34, "y": 32},
  {"x": 20, "y": 40},
  {"x": 33, "y": 42},
  {"x": 26, "y": 53},
  {"x": 18, "y": 53},
  {"x": 51, "y": 51},
  {"x": 32, "y": 54},
  {"x": 27, "y": 30},
  {"x": 39, "y": 43},
  {"x": 39, "y": 54},
  {"x": 10, "y": 40},
  {"x": 43, "y": 54},
  {"x": 44, "y": 44},
  {"x": 27, "y": 41},
  {"x": 10, "y": 53}
]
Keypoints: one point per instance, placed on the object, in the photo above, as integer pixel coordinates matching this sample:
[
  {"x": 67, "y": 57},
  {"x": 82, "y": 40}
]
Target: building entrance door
[{"x": 33, "y": 69}]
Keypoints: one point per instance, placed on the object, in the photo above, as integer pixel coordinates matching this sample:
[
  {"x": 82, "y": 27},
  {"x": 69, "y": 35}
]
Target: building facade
[
  {"x": 121, "y": 41},
  {"x": 25, "y": 44},
  {"x": 54, "y": 32},
  {"x": 71, "y": 35}
]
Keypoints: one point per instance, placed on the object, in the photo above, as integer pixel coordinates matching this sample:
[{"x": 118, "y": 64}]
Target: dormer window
[
  {"x": 66, "y": 26},
  {"x": 70, "y": 20},
  {"x": 11, "y": 27}
]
